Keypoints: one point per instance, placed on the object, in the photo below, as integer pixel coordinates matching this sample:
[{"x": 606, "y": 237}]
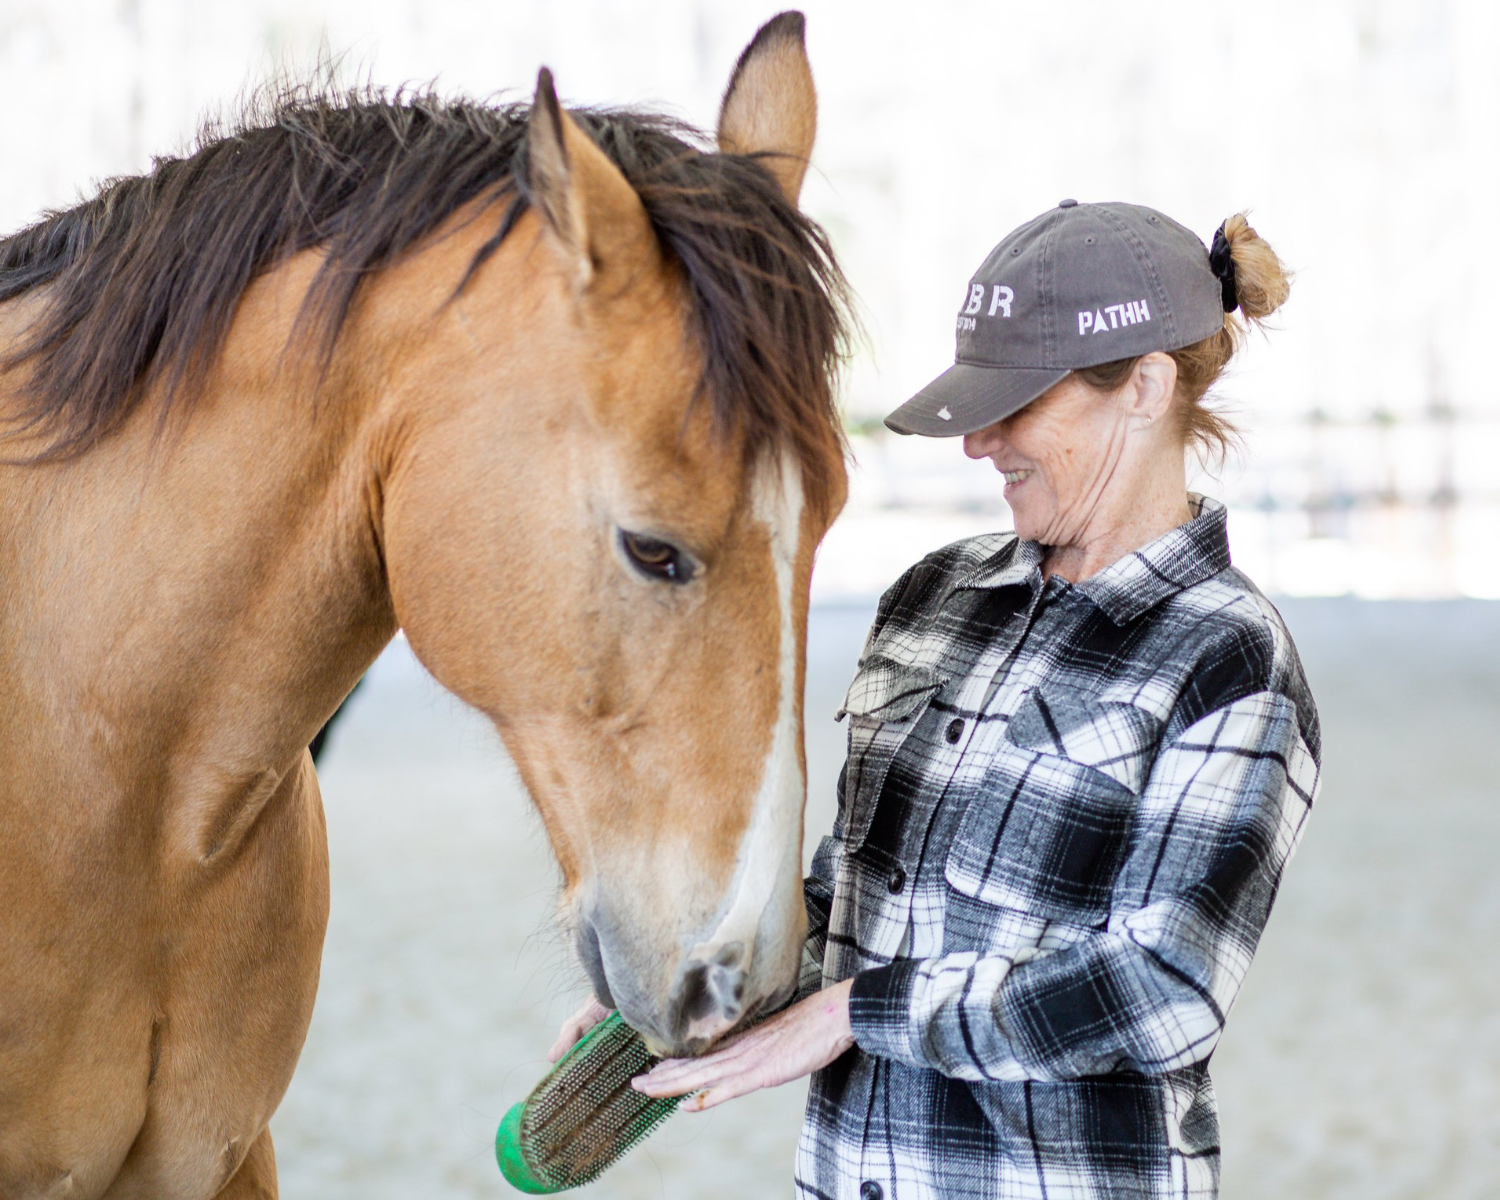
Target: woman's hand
[
  {"x": 576, "y": 1026},
  {"x": 810, "y": 1034}
]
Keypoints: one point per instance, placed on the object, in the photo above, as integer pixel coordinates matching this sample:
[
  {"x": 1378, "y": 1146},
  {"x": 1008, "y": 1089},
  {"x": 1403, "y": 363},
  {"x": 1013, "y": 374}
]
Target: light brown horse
[{"x": 551, "y": 393}]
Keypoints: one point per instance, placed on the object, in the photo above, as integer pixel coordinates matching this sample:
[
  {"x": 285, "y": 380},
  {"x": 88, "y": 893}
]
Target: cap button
[{"x": 1067, "y": 204}]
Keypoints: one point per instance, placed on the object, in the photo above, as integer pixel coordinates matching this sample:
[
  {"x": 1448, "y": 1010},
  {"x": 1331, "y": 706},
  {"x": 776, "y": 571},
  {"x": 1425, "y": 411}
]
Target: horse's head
[{"x": 612, "y": 458}]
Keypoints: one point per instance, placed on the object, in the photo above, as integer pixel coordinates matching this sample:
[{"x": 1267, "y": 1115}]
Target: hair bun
[{"x": 1257, "y": 282}]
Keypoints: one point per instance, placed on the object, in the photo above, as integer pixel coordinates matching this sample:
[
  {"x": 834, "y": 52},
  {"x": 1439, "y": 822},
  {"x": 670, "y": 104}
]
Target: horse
[{"x": 549, "y": 390}]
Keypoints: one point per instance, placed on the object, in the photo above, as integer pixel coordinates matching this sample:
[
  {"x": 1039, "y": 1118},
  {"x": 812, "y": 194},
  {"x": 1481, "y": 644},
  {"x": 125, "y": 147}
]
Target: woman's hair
[{"x": 1262, "y": 283}]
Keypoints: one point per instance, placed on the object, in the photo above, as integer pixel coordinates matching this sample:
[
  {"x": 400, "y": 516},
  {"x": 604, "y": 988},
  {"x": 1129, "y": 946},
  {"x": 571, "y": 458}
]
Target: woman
[{"x": 1079, "y": 758}]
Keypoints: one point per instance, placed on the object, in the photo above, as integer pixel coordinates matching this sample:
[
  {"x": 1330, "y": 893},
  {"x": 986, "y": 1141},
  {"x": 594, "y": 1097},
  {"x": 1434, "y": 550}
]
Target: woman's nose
[{"x": 983, "y": 442}]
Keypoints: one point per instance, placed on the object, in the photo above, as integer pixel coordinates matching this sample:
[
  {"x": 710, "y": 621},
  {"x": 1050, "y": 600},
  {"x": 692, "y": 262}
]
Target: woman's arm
[{"x": 1218, "y": 818}]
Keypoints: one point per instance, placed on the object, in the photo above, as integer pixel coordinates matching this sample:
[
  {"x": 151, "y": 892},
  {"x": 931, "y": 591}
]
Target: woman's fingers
[
  {"x": 747, "y": 1047},
  {"x": 576, "y": 1026},
  {"x": 717, "y": 1082},
  {"x": 809, "y": 1035},
  {"x": 583, "y": 1020},
  {"x": 688, "y": 1077},
  {"x": 738, "y": 1085},
  {"x": 685, "y": 1074},
  {"x": 567, "y": 1037},
  {"x": 755, "y": 1060},
  {"x": 676, "y": 1077}
]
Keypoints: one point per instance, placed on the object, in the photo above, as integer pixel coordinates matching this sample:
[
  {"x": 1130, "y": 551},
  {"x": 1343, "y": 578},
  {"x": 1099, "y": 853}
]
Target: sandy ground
[{"x": 1362, "y": 1062}]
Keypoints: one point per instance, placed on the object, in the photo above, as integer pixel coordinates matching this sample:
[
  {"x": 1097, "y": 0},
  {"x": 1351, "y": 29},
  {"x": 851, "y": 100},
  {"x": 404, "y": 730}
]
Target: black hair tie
[{"x": 1221, "y": 263}]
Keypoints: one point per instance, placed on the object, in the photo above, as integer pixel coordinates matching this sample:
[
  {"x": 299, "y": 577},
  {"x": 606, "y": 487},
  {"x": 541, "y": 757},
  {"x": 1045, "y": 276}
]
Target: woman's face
[{"x": 1059, "y": 456}]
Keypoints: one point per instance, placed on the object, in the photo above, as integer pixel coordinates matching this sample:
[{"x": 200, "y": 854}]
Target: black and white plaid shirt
[{"x": 1062, "y": 822}]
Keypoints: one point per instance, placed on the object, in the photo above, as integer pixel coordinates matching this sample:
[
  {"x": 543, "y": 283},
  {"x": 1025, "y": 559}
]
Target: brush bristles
[{"x": 584, "y": 1116}]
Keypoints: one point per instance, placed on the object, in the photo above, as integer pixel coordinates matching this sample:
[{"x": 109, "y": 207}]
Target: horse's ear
[
  {"x": 771, "y": 106},
  {"x": 595, "y": 215}
]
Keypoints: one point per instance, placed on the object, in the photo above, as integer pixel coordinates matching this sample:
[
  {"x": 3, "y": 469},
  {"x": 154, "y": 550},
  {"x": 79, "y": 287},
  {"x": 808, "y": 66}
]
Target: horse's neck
[{"x": 198, "y": 600}]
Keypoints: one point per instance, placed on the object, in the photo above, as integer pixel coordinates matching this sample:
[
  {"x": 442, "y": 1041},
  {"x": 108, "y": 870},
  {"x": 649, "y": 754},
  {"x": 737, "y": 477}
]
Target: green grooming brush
[{"x": 583, "y": 1116}]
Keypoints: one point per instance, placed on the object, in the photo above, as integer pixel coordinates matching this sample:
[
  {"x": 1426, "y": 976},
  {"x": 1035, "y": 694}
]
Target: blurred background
[{"x": 1364, "y": 137}]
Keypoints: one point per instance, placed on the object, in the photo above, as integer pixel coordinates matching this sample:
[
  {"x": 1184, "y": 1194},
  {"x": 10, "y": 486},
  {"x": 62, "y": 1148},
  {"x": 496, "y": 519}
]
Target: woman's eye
[{"x": 655, "y": 558}]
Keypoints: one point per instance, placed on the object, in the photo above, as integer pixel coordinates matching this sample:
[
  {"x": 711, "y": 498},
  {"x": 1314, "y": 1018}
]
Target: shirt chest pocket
[
  {"x": 884, "y": 703},
  {"x": 1047, "y": 830}
]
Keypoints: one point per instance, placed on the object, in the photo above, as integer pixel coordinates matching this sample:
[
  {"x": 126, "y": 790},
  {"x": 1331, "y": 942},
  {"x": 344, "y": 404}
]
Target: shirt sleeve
[
  {"x": 818, "y": 887},
  {"x": 817, "y": 890},
  {"x": 1219, "y": 816}
]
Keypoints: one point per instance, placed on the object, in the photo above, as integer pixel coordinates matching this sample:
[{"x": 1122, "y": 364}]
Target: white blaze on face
[{"x": 771, "y": 849}]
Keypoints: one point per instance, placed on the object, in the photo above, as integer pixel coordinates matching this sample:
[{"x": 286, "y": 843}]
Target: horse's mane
[{"x": 140, "y": 283}]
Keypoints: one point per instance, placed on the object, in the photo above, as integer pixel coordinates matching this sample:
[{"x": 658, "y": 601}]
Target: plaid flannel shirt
[{"x": 1062, "y": 822}]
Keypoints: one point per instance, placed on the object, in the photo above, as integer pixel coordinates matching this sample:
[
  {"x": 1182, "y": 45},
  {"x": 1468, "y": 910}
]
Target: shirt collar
[
  {"x": 1178, "y": 559},
  {"x": 1196, "y": 550},
  {"x": 1013, "y": 564}
]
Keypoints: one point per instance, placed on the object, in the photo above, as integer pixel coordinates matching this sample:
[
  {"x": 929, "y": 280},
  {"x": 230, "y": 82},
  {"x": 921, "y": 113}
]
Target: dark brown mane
[{"x": 142, "y": 281}]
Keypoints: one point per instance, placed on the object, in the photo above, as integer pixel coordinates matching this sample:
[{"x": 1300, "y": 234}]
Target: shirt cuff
[{"x": 880, "y": 1004}]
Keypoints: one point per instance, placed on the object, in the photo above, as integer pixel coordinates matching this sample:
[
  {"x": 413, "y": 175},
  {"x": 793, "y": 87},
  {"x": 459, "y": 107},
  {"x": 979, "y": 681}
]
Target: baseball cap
[{"x": 1080, "y": 285}]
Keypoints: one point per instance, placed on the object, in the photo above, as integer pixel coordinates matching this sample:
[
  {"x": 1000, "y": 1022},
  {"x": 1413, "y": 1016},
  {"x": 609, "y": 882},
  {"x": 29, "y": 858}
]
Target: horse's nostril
[
  {"x": 697, "y": 999},
  {"x": 731, "y": 954},
  {"x": 728, "y": 987},
  {"x": 711, "y": 993}
]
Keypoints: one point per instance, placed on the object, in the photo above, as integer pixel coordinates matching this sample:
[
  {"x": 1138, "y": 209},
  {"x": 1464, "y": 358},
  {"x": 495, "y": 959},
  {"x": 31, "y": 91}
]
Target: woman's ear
[{"x": 1152, "y": 386}]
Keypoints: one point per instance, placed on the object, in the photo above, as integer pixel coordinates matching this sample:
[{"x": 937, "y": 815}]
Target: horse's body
[{"x": 183, "y": 604}]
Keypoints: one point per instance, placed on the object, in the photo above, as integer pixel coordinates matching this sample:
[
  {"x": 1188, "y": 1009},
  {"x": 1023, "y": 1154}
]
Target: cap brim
[{"x": 966, "y": 397}]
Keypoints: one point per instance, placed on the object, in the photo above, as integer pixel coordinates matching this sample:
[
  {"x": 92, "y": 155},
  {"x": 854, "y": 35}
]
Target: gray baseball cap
[{"x": 1080, "y": 285}]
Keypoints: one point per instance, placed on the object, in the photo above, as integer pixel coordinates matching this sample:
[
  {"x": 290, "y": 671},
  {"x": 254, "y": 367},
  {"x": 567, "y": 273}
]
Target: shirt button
[
  {"x": 896, "y": 882},
  {"x": 955, "y": 730},
  {"x": 870, "y": 1190}
]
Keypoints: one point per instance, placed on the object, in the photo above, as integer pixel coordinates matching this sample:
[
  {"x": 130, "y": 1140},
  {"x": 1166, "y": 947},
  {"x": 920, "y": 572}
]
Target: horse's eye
[{"x": 656, "y": 559}]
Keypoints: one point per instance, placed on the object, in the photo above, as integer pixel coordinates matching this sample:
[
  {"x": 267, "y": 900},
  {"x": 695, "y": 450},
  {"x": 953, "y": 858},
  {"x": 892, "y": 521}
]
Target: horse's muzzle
[
  {"x": 713, "y": 989},
  {"x": 708, "y": 998}
]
